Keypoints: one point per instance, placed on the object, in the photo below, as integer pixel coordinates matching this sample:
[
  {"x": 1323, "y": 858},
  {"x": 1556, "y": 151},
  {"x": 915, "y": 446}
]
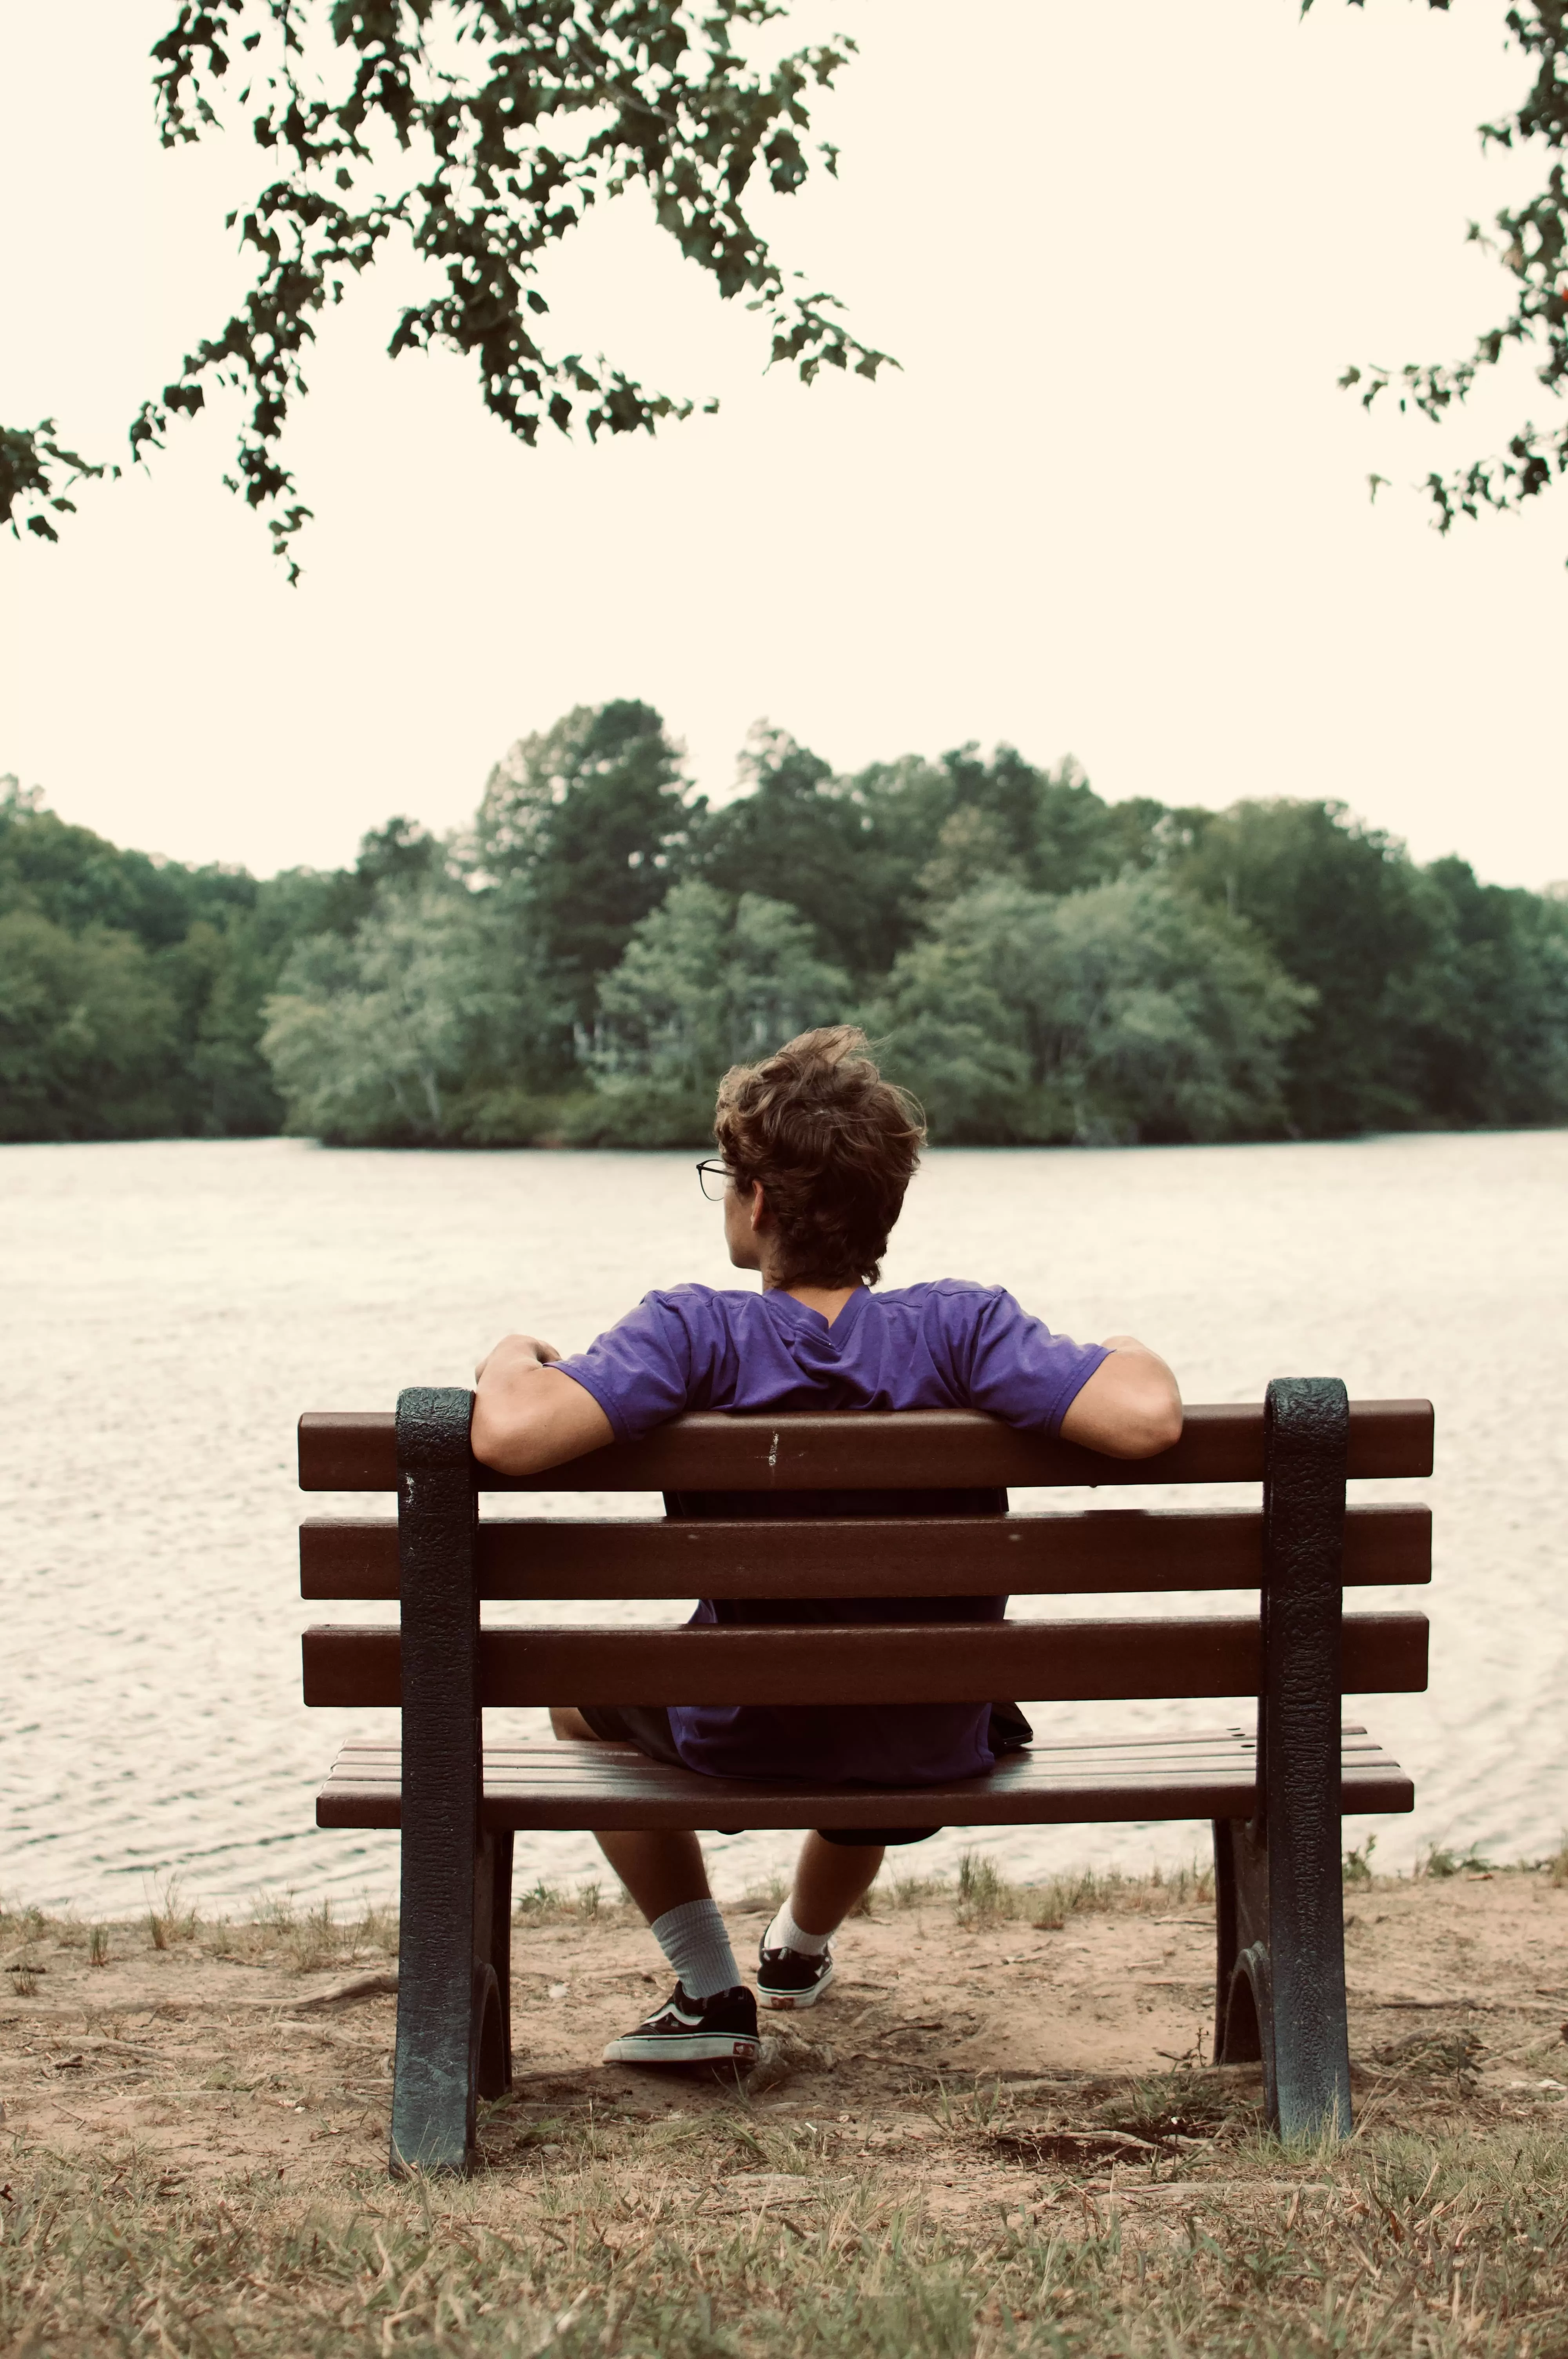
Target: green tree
[
  {"x": 77, "y": 879},
  {"x": 709, "y": 980},
  {"x": 798, "y": 835},
  {"x": 506, "y": 122},
  {"x": 370, "y": 1041},
  {"x": 1049, "y": 827},
  {"x": 1342, "y": 908},
  {"x": 88, "y": 1035},
  {"x": 859, "y": 856},
  {"x": 1125, "y": 1012},
  {"x": 431, "y": 1024},
  {"x": 580, "y": 827},
  {"x": 203, "y": 932},
  {"x": 1480, "y": 1025}
]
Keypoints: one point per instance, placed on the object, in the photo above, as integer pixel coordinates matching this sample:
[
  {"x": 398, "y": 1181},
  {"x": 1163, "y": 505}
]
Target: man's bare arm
[
  {"x": 528, "y": 1415},
  {"x": 1130, "y": 1407}
]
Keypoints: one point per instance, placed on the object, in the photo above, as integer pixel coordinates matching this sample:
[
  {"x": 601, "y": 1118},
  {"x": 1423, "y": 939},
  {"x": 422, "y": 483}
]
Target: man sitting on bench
[{"x": 817, "y": 1152}]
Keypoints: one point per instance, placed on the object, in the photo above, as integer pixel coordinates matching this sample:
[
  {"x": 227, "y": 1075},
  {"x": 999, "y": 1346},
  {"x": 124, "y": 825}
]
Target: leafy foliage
[
  {"x": 130, "y": 989},
  {"x": 584, "y": 961},
  {"x": 708, "y": 981},
  {"x": 1126, "y": 1011},
  {"x": 1532, "y": 243},
  {"x": 582, "y": 825},
  {"x": 383, "y": 1038},
  {"x": 507, "y": 122},
  {"x": 86, "y": 1028},
  {"x": 35, "y": 468}
]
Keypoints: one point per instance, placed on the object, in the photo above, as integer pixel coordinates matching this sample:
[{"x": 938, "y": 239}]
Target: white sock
[
  {"x": 693, "y": 1939},
  {"x": 783, "y": 1933}
]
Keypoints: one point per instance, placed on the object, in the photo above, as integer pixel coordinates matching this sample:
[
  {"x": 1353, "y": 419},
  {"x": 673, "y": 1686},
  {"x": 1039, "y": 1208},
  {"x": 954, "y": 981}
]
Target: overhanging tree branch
[
  {"x": 1532, "y": 245},
  {"x": 36, "y": 472},
  {"x": 516, "y": 118}
]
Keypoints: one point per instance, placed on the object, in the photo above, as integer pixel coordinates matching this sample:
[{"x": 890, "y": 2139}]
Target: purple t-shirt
[{"x": 946, "y": 1344}]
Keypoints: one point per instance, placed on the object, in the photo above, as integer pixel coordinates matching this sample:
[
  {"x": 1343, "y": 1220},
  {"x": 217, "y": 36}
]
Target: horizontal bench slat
[
  {"x": 587, "y": 1785},
  {"x": 382, "y": 1755},
  {"x": 936, "y": 1556},
  {"x": 894, "y": 1449},
  {"x": 881, "y": 1663}
]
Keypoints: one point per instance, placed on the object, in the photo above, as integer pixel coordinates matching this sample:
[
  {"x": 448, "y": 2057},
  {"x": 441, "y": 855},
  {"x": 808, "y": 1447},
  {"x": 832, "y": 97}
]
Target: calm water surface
[{"x": 170, "y": 1308}]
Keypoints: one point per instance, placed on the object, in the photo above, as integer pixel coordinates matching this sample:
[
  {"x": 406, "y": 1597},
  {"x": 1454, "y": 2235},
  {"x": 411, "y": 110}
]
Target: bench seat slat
[
  {"x": 380, "y": 1761},
  {"x": 1110, "y": 1549},
  {"x": 887, "y": 1450},
  {"x": 1217, "y": 1654},
  {"x": 574, "y": 1787}
]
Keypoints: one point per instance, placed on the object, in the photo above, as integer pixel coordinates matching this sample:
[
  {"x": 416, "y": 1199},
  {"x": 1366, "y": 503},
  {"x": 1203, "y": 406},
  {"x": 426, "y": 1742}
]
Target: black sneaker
[
  {"x": 685, "y": 2030},
  {"x": 789, "y": 1978}
]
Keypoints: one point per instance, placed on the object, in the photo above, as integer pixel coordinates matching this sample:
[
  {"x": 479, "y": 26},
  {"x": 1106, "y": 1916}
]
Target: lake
[{"x": 172, "y": 1306}]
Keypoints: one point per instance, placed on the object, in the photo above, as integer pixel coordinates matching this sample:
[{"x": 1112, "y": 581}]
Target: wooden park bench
[{"x": 852, "y": 1506}]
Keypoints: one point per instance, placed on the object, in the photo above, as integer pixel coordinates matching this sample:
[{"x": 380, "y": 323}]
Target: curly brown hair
[{"x": 834, "y": 1146}]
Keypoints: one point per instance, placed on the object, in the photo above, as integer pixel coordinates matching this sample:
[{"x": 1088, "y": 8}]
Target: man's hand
[
  {"x": 528, "y": 1415},
  {"x": 524, "y": 1347},
  {"x": 1130, "y": 1407}
]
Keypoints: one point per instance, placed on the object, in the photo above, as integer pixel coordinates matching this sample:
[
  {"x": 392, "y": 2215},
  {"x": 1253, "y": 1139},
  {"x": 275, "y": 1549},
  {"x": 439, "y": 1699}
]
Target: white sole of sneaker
[
  {"x": 700, "y": 2048},
  {"x": 781, "y": 2001}
]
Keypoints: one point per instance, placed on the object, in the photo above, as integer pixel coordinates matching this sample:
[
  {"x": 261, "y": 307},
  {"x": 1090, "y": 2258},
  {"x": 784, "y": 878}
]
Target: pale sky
[{"x": 1114, "y": 504}]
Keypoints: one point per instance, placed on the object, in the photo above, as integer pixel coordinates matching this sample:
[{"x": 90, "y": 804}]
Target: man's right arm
[
  {"x": 1130, "y": 1407},
  {"x": 529, "y": 1415}
]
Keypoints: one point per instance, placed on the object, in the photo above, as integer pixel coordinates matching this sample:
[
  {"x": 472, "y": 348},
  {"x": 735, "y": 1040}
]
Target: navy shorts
[{"x": 647, "y": 1726}]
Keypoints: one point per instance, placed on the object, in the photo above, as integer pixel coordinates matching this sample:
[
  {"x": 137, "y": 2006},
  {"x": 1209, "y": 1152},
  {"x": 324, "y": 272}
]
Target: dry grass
[
  {"x": 637, "y": 2247},
  {"x": 309, "y": 1939},
  {"x": 981, "y": 1895},
  {"x": 915, "y": 2212}
]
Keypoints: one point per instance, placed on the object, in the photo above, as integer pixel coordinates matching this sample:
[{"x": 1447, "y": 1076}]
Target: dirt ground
[{"x": 986, "y": 2063}]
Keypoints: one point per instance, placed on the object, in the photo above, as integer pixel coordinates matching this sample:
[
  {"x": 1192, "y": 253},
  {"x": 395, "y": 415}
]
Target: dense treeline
[{"x": 582, "y": 962}]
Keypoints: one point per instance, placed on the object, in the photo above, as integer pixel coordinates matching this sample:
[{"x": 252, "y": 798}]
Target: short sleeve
[
  {"x": 1009, "y": 1362},
  {"x": 640, "y": 1370}
]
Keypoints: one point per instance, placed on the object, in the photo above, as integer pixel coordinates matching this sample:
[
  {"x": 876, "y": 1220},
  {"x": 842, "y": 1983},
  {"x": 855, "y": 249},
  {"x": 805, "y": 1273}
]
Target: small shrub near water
[
  {"x": 557, "y": 1904},
  {"x": 1441, "y": 1862},
  {"x": 167, "y": 1922},
  {"x": 1358, "y": 1864}
]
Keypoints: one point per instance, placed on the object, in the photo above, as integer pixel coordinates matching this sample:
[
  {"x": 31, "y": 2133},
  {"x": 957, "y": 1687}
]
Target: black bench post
[
  {"x": 453, "y": 2037},
  {"x": 1278, "y": 1893}
]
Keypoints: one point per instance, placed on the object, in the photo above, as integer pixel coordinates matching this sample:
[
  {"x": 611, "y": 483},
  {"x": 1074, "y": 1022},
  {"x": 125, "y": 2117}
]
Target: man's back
[{"x": 946, "y": 1344}]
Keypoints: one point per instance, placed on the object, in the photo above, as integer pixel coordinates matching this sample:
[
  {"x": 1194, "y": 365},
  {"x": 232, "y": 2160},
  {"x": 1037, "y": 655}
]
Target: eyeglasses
[{"x": 713, "y": 1177}]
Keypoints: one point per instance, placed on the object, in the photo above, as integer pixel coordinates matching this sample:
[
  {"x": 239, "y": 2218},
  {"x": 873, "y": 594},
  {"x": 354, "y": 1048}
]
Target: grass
[
  {"x": 1123, "y": 2218},
  {"x": 982, "y": 1895},
  {"x": 307, "y": 1940},
  {"x": 1440, "y": 2247}
]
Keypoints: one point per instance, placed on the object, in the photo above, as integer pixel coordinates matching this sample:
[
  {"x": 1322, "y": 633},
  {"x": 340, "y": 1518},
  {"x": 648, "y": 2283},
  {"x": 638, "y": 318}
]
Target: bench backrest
[{"x": 892, "y": 1550}]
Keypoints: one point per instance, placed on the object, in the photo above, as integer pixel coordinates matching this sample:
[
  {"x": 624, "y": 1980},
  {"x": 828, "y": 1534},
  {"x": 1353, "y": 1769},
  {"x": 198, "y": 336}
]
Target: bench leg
[
  {"x": 453, "y": 1958},
  {"x": 492, "y": 1950},
  {"x": 1243, "y": 1993},
  {"x": 1306, "y": 1958},
  {"x": 1305, "y": 1425},
  {"x": 454, "y": 2018},
  {"x": 1279, "y": 1979}
]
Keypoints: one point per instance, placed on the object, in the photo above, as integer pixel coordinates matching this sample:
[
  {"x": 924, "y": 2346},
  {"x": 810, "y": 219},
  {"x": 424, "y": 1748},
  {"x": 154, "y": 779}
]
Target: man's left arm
[
  {"x": 1130, "y": 1407},
  {"x": 528, "y": 1414}
]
